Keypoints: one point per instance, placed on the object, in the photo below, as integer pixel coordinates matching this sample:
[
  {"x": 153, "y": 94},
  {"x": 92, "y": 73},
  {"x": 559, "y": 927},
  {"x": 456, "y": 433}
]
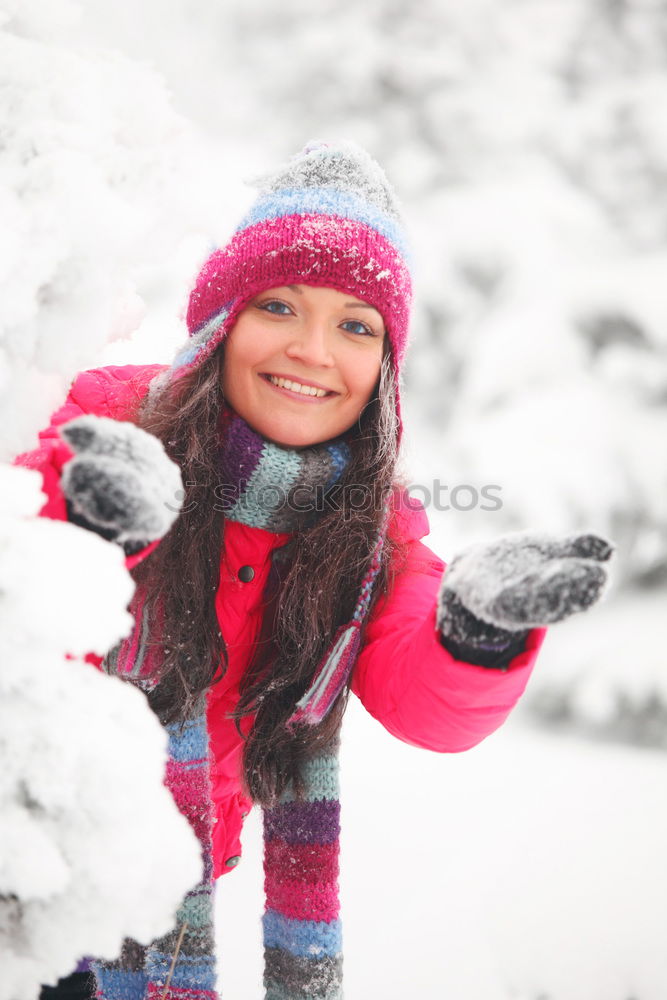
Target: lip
[
  {"x": 299, "y": 397},
  {"x": 297, "y": 378}
]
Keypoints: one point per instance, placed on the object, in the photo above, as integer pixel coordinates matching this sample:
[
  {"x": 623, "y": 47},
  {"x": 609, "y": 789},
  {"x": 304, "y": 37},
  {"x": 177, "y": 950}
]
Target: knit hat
[{"x": 327, "y": 218}]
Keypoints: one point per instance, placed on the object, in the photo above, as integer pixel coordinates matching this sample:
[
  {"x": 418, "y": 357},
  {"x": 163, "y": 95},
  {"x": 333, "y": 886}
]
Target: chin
[
  {"x": 292, "y": 437},
  {"x": 290, "y": 433},
  {"x": 293, "y": 440}
]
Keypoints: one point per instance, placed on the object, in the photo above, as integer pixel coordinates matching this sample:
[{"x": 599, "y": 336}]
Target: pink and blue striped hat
[{"x": 327, "y": 218}]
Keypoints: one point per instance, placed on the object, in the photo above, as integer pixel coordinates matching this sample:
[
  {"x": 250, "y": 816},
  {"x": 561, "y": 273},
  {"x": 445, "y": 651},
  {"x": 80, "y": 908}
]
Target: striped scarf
[{"x": 278, "y": 489}]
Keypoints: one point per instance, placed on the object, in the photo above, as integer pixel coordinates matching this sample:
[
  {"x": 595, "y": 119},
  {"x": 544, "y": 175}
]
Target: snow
[
  {"x": 81, "y": 793},
  {"x": 97, "y": 221},
  {"x": 527, "y": 867}
]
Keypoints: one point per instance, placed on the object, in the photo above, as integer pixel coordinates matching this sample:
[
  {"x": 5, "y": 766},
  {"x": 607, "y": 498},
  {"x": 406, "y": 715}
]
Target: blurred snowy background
[{"x": 529, "y": 145}]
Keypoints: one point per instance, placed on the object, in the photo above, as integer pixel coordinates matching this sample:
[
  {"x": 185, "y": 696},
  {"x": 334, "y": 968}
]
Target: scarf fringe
[{"x": 330, "y": 678}]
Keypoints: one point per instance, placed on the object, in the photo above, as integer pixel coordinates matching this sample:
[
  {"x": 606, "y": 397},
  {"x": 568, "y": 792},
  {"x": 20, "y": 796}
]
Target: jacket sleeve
[
  {"x": 92, "y": 392},
  {"x": 409, "y": 682}
]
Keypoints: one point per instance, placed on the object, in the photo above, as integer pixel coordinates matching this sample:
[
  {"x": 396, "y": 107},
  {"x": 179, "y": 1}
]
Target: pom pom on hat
[{"x": 327, "y": 218}]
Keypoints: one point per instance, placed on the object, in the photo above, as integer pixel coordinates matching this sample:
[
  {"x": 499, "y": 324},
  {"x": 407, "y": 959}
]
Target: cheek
[
  {"x": 364, "y": 377},
  {"x": 238, "y": 359}
]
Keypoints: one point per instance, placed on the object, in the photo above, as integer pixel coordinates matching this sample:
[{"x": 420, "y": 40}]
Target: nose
[{"x": 311, "y": 345}]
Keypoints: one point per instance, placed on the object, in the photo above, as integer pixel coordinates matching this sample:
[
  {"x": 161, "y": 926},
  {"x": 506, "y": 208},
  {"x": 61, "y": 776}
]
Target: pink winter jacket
[{"x": 404, "y": 676}]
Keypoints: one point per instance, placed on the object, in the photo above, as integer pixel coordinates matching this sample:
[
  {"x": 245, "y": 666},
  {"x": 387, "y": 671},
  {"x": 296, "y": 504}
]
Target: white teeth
[{"x": 305, "y": 390}]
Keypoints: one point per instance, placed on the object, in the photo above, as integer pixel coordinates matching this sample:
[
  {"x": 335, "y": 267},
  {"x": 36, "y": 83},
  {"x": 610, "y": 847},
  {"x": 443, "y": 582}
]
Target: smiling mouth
[{"x": 301, "y": 388}]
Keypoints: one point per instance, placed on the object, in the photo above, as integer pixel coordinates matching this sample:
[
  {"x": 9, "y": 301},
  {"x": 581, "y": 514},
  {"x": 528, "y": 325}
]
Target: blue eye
[
  {"x": 275, "y": 307},
  {"x": 361, "y": 327}
]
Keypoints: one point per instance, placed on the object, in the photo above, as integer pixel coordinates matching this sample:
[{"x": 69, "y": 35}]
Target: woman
[{"x": 294, "y": 572}]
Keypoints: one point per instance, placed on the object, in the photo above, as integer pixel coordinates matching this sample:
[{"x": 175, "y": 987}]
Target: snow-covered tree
[
  {"x": 97, "y": 229},
  {"x": 81, "y": 792}
]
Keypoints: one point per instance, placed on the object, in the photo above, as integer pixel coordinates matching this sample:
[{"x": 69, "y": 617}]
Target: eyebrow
[{"x": 348, "y": 305}]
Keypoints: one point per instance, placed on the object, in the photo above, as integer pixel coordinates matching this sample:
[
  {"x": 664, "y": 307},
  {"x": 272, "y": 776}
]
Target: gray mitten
[
  {"x": 120, "y": 483},
  {"x": 493, "y": 593}
]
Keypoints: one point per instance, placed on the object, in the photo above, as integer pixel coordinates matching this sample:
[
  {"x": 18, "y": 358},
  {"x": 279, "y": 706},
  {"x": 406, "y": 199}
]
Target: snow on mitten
[
  {"x": 120, "y": 483},
  {"x": 493, "y": 593}
]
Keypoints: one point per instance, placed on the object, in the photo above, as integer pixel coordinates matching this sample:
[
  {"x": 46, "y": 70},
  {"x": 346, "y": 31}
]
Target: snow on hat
[{"x": 327, "y": 218}]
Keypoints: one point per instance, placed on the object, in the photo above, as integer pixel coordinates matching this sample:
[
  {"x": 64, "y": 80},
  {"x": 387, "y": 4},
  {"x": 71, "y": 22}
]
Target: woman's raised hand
[
  {"x": 120, "y": 482},
  {"x": 492, "y": 593}
]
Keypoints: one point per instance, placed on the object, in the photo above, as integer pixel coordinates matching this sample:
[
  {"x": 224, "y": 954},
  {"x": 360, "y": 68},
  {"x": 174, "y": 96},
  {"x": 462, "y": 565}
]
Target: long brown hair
[{"x": 309, "y": 595}]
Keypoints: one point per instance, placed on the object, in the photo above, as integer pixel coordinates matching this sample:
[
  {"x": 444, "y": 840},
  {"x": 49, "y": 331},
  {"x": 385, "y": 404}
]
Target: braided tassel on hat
[{"x": 339, "y": 659}]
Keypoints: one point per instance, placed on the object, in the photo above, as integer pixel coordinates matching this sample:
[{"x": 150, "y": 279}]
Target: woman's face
[{"x": 302, "y": 362}]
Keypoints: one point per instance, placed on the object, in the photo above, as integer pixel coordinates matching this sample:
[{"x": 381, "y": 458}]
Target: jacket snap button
[
  {"x": 232, "y": 862},
  {"x": 246, "y": 574}
]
